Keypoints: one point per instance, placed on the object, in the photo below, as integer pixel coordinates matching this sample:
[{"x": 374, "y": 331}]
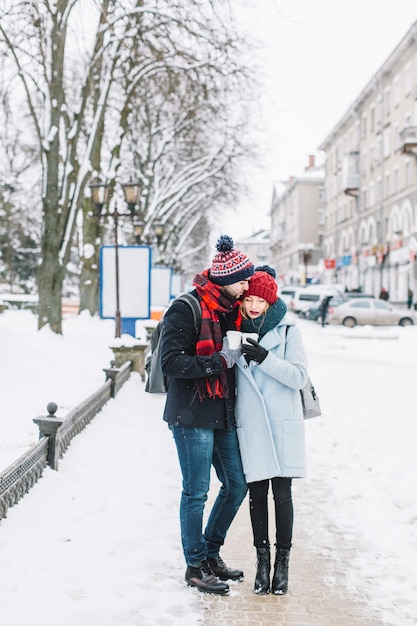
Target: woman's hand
[{"x": 253, "y": 351}]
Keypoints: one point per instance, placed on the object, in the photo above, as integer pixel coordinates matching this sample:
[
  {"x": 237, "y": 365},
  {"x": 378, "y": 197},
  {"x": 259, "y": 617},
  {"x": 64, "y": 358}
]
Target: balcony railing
[
  {"x": 408, "y": 139},
  {"x": 350, "y": 174}
]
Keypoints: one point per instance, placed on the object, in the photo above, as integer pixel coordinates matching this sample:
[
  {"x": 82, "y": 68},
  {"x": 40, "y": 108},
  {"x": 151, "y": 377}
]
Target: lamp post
[
  {"x": 131, "y": 192},
  {"x": 306, "y": 250}
]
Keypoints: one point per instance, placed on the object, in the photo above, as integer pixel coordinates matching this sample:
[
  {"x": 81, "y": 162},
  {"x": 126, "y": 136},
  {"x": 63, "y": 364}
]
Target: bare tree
[
  {"x": 78, "y": 89},
  {"x": 190, "y": 140},
  {"x": 19, "y": 216}
]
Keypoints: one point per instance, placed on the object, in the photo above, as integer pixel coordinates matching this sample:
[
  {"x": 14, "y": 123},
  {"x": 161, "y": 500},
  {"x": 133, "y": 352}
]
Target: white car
[
  {"x": 361, "y": 311},
  {"x": 311, "y": 296},
  {"x": 287, "y": 292}
]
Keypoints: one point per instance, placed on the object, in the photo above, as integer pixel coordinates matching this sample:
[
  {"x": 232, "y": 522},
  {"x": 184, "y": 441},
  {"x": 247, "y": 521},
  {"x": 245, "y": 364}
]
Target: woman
[{"x": 270, "y": 423}]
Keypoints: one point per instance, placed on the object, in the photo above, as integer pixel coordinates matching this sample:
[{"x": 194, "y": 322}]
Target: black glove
[{"x": 253, "y": 351}]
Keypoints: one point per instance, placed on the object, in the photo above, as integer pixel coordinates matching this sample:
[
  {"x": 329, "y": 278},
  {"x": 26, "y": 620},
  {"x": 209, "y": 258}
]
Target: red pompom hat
[{"x": 263, "y": 285}]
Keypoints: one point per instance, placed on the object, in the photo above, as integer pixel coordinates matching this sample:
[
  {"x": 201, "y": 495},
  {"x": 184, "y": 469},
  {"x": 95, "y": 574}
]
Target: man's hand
[{"x": 230, "y": 356}]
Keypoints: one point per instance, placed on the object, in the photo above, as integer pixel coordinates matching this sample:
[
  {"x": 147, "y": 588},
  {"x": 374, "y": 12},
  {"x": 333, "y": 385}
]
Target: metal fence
[{"x": 55, "y": 437}]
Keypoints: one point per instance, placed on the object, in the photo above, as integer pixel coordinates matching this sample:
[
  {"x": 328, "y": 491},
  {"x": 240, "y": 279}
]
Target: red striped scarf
[{"x": 213, "y": 300}]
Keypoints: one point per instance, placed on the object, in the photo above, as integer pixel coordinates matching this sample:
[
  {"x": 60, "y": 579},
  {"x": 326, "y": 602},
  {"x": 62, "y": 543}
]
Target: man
[
  {"x": 200, "y": 412},
  {"x": 383, "y": 294},
  {"x": 324, "y": 309}
]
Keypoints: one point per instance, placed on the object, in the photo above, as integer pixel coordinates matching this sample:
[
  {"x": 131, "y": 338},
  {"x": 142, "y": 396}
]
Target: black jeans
[{"x": 284, "y": 512}]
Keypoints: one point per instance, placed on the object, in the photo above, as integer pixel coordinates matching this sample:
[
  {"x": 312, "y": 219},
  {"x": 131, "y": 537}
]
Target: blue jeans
[{"x": 198, "y": 449}]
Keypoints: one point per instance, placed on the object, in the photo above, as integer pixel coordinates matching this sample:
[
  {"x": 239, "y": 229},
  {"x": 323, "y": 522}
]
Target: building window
[
  {"x": 407, "y": 174},
  {"x": 387, "y": 137},
  {"x": 396, "y": 180},
  {"x": 407, "y": 79},
  {"x": 379, "y": 191},
  {"x": 372, "y": 195},
  {"x": 371, "y": 234},
  {"x": 386, "y": 227},
  {"x": 364, "y": 120},
  {"x": 380, "y": 110},
  {"x": 380, "y": 149},
  {"x": 396, "y": 94},
  {"x": 397, "y": 135},
  {"x": 387, "y": 185},
  {"x": 387, "y": 102},
  {"x": 362, "y": 163},
  {"x": 364, "y": 199},
  {"x": 372, "y": 157}
]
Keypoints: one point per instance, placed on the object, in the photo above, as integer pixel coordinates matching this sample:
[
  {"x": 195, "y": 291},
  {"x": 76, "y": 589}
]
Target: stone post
[
  {"x": 48, "y": 427},
  {"x": 134, "y": 351},
  {"x": 111, "y": 373}
]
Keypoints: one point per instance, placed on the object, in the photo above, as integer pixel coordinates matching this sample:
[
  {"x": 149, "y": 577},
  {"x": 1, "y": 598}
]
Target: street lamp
[
  {"x": 138, "y": 228},
  {"x": 306, "y": 250},
  {"x": 158, "y": 229},
  {"x": 131, "y": 192},
  {"x": 99, "y": 195}
]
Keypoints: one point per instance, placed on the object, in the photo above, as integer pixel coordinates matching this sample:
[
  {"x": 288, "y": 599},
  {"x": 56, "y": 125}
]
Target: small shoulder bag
[{"x": 309, "y": 398}]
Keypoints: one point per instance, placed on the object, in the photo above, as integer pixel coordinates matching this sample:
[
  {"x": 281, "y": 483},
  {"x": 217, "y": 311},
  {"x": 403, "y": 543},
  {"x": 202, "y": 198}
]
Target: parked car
[
  {"x": 358, "y": 294},
  {"x": 287, "y": 292},
  {"x": 310, "y": 296},
  {"x": 314, "y": 312},
  {"x": 361, "y": 311}
]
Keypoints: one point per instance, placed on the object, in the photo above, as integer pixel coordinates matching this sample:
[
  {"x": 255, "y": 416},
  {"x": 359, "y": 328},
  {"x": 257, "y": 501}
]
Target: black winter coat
[{"x": 182, "y": 366}]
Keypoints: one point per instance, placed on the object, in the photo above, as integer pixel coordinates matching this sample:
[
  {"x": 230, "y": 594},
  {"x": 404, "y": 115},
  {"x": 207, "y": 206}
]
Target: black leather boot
[
  {"x": 280, "y": 577},
  {"x": 202, "y": 577},
  {"x": 263, "y": 565},
  {"x": 220, "y": 569}
]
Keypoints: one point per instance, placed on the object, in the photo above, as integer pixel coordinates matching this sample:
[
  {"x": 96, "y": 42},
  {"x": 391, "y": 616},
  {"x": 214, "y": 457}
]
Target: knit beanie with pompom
[
  {"x": 229, "y": 265},
  {"x": 263, "y": 284}
]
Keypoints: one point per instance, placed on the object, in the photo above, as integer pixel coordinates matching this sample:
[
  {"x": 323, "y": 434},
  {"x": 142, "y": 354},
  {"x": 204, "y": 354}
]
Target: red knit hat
[
  {"x": 263, "y": 285},
  {"x": 229, "y": 265}
]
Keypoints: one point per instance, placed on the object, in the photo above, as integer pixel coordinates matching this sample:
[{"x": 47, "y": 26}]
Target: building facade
[
  {"x": 357, "y": 219},
  {"x": 370, "y": 231},
  {"x": 256, "y": 247},
  {"x": 297, "y": 220}
]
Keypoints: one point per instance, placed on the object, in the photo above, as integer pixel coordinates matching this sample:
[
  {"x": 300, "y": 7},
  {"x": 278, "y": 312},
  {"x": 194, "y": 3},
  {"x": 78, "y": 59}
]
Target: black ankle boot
[
  {"x": 263, "y": 569},
  {"x": 220, "y": 569},
  {"x": 202, "y": 577},
  {"x": 280, "y": 577}
]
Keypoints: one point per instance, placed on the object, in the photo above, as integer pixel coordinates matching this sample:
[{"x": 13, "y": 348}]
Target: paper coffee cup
[
  {"x": 234, "y": 338},
  {"x": 251, "y": 335}
]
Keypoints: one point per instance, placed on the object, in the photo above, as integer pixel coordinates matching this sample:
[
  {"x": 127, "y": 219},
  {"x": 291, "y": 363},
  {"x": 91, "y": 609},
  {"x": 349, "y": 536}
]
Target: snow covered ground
[{"x": 119, "y": 481}]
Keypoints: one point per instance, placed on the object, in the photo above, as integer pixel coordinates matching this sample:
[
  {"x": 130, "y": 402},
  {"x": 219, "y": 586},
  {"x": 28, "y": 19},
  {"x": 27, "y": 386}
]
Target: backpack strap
[{"x": 194, "y": 304}]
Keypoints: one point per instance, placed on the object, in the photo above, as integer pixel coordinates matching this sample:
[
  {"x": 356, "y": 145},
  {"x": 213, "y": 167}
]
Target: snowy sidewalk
[
  {"x": 320, "y": 593},
  {"x": 97, "y": 543}
]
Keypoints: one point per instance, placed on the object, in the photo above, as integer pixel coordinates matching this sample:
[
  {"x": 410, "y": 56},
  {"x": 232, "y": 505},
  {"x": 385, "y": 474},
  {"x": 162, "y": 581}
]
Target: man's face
[{"x": 236, "y": 290}]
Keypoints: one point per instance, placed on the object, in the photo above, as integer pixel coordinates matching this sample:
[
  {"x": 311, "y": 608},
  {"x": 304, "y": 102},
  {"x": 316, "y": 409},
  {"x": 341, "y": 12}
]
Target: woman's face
[{"x": 254, "y": 306}]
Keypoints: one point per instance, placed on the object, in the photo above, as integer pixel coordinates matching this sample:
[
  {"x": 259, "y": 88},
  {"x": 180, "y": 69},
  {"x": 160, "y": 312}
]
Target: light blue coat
[{"x": 269, "y": 415}]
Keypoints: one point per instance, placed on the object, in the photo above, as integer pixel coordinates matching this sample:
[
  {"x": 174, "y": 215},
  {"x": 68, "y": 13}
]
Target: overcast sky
[{"x": 320, "y": 55}]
